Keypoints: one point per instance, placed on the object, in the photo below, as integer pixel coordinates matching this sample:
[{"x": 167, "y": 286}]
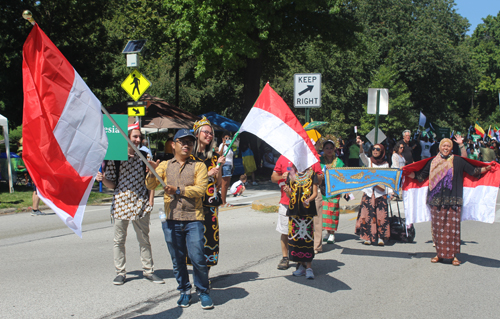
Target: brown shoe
[
  {"x": 435, "y": 259},
  {"x": 283, "y": 265},
  {"x": 456, "y": 262}
]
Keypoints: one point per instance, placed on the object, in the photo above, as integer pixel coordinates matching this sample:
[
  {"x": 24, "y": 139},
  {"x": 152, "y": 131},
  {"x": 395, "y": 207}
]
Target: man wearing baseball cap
[{"x": 186, "y": 182}]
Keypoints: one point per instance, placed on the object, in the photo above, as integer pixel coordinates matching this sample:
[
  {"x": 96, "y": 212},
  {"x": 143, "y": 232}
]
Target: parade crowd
[{"x": 198, "y": 175}]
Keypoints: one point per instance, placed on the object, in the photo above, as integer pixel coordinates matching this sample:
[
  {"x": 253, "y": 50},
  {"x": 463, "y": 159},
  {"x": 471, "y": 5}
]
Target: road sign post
[
  {"x": 378, "y": 104},
  {"x": 307, "y": 91}
]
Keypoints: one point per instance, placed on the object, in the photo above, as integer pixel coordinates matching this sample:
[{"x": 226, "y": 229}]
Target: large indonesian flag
[
  {"x": 273, "y": 122},
  {"x": 63, "y": 132},
  {"x": 479, "y": 198}
]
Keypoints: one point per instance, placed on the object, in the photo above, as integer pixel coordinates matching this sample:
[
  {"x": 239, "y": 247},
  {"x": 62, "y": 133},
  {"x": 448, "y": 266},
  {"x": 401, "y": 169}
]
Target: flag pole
[
  {"x": 230, "y": 145},
  {"x": 151, "y": 169}
]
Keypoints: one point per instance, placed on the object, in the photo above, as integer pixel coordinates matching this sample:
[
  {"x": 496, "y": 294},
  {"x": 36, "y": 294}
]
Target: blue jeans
[
  {"x": 227, "y": 170},
  {"x": 182, "y": 236}
]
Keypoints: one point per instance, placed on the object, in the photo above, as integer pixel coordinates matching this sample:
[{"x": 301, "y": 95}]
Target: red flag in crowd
[{"x": 272, "y": 121}]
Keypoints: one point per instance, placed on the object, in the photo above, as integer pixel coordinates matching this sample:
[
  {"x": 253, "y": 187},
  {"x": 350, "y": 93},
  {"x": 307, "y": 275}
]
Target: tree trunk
[{"x": 251, "y": 91}]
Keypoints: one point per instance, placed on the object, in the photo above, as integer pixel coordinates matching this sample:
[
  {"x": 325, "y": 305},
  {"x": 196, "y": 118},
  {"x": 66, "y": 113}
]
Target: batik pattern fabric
[
  {"x": 373, "y": 221},
  {"x": 300, "y": 217},
  {"x": 131, "y": 197},
  {"x": 211, "y": 223},
  {"x": 446, "y": 230}
]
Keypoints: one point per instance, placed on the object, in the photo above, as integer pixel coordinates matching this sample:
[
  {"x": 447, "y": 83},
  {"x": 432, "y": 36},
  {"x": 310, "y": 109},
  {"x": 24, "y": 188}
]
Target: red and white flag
[
  {"x": 271, "y": 120},
  {"x": 479, "y": 197},
  {"x": 63, "y": 132}
]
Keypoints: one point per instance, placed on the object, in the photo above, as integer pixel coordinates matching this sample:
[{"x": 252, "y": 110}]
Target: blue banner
[{"x": 347, "y": 179}]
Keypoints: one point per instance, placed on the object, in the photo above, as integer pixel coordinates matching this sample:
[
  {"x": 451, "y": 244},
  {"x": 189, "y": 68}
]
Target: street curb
[{"x": 265, "y": 206}]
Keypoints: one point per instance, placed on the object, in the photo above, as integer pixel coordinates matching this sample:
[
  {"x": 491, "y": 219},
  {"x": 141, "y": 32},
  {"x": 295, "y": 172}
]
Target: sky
[{"x": 475, "y": 10}]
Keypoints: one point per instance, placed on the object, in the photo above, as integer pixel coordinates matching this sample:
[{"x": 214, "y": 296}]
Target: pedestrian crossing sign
[{"x": 135, "y": 85}]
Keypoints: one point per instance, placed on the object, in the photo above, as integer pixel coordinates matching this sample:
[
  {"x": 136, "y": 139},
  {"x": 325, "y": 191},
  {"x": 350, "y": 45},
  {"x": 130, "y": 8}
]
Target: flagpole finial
[{"x": 28, "y": 16}]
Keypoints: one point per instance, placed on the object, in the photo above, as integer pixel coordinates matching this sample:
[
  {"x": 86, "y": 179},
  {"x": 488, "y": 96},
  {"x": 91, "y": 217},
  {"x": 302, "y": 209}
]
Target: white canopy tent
[{"x": 4, "y": 123}]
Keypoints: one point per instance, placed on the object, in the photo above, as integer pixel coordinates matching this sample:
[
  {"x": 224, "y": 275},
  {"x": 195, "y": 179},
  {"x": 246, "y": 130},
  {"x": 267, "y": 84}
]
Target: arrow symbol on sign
[
  {"x": 309, "y": 88},
  {"x": 136, "y": 111}
]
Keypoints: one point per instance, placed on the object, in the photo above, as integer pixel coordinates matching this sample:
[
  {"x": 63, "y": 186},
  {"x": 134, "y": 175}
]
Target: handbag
[{"x": 399, "y": 231}]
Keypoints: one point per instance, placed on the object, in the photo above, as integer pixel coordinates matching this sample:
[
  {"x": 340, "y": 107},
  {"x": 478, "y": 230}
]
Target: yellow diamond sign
[{"x": 135, "y": 84}]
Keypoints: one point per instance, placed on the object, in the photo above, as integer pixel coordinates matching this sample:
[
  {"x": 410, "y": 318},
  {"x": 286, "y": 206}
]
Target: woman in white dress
[{"x": 398, "y": 161}]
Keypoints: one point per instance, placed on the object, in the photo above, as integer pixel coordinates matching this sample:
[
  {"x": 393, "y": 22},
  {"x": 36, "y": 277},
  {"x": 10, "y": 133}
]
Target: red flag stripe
[
  {"x": 271, "y": 102},
  {"x": 42, "y": 61}
]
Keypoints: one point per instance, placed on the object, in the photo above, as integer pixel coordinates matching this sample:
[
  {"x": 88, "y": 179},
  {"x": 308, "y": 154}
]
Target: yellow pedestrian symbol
[{"x": 135, "y": 85}]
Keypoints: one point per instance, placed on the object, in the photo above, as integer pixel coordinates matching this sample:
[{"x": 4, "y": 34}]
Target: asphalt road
[{"x": 48, "y": 272}]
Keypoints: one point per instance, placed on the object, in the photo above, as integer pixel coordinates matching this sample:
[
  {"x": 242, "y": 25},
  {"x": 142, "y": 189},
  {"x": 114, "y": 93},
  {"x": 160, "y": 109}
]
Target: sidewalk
[{"x": 346, "y": 207}]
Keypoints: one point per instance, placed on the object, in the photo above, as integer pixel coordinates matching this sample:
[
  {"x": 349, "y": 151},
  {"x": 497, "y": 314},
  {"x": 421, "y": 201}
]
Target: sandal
[
  {"x": 456, "y": 262},
  {"x": 435, "y": 259},
  {"x": 227, "y": 205}
]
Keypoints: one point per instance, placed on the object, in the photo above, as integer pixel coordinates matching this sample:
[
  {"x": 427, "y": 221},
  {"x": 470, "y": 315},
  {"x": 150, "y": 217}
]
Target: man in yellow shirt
[{"x": 186, "y": 182}]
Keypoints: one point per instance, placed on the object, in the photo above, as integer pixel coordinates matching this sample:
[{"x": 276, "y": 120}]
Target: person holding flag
[
  {"x": 132, "y": 202},
  {"x": 445, "y": 174},
  {"x": 204, "y": 152}
]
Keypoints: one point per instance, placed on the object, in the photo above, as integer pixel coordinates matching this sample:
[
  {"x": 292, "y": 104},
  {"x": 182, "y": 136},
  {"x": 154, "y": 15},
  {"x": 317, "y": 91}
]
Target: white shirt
[
  {"x": 147, "y": 150},
  {"x": 426, "y": 148},
  {"x": 229, "y": 156},
  {"x": 398, "y": 161},
  {"x": 235, "y": 186},
  {"x": 369, "y": 191}
]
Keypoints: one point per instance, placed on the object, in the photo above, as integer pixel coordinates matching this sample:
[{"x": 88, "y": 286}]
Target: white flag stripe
[
  {"x": 280, "y": 136},
  {"x": 84, "y": 144},
  {"x": 478, "y": 204}
]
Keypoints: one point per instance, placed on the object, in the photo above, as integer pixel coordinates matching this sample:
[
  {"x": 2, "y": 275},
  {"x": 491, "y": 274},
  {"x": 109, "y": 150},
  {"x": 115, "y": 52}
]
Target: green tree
[
  {"x": 249, "y": 35},
  {"x": 486, "y": 43},
  {"x": 425, "y": 40}
]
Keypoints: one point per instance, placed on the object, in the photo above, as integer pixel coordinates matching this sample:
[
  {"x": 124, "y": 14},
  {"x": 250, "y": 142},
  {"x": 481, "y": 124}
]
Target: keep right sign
[{"x": 307, "y": 90}]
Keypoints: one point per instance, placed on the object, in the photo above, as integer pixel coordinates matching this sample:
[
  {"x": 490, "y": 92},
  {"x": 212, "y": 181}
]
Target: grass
[{"x": 21, "y": 199}]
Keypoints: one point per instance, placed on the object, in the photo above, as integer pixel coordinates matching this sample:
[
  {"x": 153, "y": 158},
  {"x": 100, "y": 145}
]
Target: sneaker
[
  {"x": 36, "y": 213},
  {"x": 367, "y": 242},
  {"x": 206, "y": 301},
  {"x": 301, "y": 271},
  {"x": 325, "y": 238},
  {"x": 283, "y": 265},
  {"x": 154, "y": 278},
  {"x": 119, "y": 280},
  {"x": 331, "y": 239},
  {"x": 380, "y": 242},
  {"x": 184, "y": 300},
  {"x": 309, "y": 273}
]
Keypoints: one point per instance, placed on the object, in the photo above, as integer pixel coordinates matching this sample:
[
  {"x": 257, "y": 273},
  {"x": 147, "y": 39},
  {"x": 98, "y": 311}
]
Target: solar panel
[{"x": 134, "y": 46}]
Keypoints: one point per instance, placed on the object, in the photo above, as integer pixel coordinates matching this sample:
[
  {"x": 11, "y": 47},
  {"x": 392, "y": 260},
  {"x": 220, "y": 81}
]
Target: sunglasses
[
  {"x": 377, "y": 149},
  {"x": 208, "y": 133}
]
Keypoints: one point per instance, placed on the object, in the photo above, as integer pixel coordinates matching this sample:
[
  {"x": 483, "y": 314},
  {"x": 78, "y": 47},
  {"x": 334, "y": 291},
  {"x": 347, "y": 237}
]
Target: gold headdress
[
  {"x": 200, "y": 123},
  {"x": 329, "y": 137}
]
